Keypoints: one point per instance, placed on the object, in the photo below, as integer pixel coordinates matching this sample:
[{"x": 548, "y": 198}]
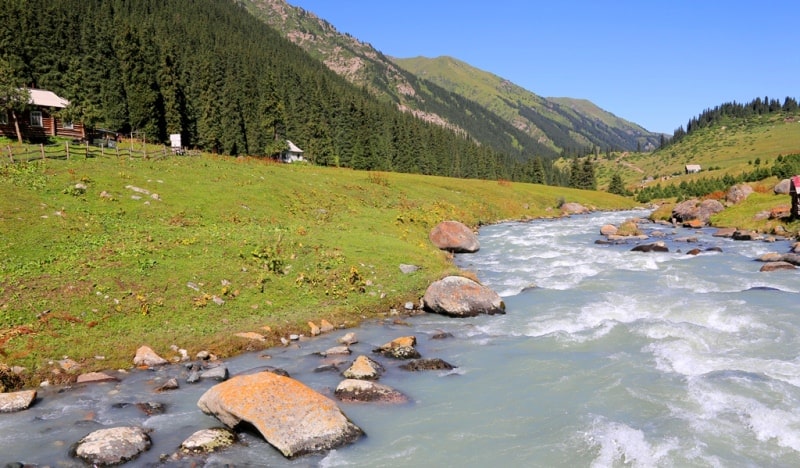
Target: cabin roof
[
  {"x": 293, "y": 148},
  {"x": 44, "y": 98}
]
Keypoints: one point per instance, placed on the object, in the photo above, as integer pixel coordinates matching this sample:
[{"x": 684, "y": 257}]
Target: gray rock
[
  {"x": 363, "y": 390},
  {"x": 147, "y": 357},
  {"x": 208, "y": 441},
  {"x": 457, "y": 296},
  {"x": 408, "y": 269},
  {"x": 364, "y": 368},
  {"x": 16, "y": 401},
  {"x": 112, "y": 446},
  {"x": 219, "y": 372},
  {"x": 427, "y": 364},
  {"x": 783, "y": 187}
]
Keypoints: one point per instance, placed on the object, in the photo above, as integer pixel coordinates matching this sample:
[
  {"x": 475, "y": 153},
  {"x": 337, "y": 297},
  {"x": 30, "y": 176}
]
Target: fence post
[
  {"x": 87, "y": 150},
  {"x": 66, "y": 144},
  {"x": 10, "y": 153},
  {"x": 41, "y": 148},
  {"x": 102, "y": 150}
]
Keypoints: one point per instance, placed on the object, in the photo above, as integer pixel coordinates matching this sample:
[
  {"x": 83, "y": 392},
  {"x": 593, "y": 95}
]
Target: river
[{"x": 606, "y": 357}]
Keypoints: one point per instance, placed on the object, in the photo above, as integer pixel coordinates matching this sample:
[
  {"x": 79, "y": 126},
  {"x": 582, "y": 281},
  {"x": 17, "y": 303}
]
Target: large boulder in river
[
  {"x": 457, "y": 296},
  {"x": 454, "y": 237},
  {"x": 16, "y": 401},
  {"x": 291, "y": 416},
  {"x": 696, "y": 210}
]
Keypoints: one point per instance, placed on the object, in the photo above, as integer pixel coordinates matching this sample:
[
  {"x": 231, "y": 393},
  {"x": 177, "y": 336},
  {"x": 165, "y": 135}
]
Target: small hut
[
  {"x": 692, "y": 168},
  {"x": 292, "y": 153},
  {"x": 794, "y": 192}
]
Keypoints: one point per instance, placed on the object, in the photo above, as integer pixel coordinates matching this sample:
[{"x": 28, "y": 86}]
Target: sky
[{"x": 654, "y": 63}]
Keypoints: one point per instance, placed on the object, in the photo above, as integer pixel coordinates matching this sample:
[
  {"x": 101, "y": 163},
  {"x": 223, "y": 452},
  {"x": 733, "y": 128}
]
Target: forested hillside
[{"x": 229, "y": 84}]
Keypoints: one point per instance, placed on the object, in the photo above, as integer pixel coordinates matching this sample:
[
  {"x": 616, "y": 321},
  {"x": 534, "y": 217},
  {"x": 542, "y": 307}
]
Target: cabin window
[
  {"x": 3, "y": 118},
  {"x": 69, "y": 125},
  {"x": 36, "y": 119}
]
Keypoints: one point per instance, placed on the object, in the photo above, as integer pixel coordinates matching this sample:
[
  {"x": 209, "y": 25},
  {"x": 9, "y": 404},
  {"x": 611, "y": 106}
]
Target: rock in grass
[
  {"x": 289, "y": 415},
  {"x": 145, "y": 356}
]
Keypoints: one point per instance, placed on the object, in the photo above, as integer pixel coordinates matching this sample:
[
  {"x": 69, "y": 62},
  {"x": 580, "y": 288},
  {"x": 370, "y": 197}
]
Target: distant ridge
[{"x": 445, "y": 90}]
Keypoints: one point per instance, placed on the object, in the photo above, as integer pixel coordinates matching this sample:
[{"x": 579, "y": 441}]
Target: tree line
[
  {"x": 757, "y": 106},
  {"x": 228, "y": 84}
]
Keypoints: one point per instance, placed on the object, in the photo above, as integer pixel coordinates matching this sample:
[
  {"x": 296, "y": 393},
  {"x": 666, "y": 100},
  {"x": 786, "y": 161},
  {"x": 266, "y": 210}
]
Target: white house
[
  {"x": 692, "y": 168},
  {"x": 292, "y": 154}
]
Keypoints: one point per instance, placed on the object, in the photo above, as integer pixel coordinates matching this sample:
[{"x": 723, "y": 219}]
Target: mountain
[
  {"x": 366, "y": 67},
  {"x": 563, "y": 123},
  {"x": 445, "y": 91}
]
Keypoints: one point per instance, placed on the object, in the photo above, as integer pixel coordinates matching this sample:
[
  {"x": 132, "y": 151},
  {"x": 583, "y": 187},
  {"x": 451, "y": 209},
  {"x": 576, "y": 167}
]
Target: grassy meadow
[{"x": 105, "y": 254}]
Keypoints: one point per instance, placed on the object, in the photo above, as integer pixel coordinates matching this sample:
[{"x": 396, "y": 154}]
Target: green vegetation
[
  {"x": 105, "y": 254},
  {"x": 568, "y": 126}
]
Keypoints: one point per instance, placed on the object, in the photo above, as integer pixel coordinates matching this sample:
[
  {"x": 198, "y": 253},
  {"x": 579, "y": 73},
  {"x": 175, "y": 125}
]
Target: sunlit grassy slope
[
  {"x": 190, "y": 250},
  {"x": 730, "y": 147}
]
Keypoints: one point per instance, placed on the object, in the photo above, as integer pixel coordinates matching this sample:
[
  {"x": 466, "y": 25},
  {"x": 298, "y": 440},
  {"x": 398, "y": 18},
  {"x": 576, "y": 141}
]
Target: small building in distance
[
  {"x": 692, "y": 168},
  {"x": 39, "y": 121},
  {"x": 291, "y": 154}
]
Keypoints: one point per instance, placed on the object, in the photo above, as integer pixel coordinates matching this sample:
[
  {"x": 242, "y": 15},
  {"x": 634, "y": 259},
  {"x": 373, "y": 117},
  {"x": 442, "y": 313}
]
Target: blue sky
[{"x": 654, "y": 63}]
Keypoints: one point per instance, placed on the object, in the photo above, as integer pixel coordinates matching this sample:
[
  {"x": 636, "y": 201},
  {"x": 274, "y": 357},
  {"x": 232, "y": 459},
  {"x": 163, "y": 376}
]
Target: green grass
[
  {"x": 732, "y": 146},
  {"x": 85, "y": 275}
]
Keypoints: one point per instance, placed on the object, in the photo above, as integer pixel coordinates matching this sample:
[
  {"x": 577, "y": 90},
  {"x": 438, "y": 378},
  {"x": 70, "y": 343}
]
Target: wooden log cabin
[{"x": 39, "y": 122}]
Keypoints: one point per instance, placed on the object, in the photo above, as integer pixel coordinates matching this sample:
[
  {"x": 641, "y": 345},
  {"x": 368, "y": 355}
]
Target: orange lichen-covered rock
[{"x": 291, "y": 416}]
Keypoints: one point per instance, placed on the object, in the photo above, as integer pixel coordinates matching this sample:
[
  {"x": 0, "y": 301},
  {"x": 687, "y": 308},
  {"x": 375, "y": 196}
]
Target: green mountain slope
[
  {"x": 445, "y": 91},
  {"x": 364, "y": 66},
  {"x": 562, "y": 123}
]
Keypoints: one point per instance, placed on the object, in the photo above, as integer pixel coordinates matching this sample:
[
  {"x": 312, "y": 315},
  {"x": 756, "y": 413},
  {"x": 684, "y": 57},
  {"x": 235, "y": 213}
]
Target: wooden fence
[{"x": 69, "y": 150}]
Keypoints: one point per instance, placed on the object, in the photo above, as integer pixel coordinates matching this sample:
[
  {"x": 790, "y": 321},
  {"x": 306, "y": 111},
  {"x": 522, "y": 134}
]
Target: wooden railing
[{"x": 27, "y": 153}]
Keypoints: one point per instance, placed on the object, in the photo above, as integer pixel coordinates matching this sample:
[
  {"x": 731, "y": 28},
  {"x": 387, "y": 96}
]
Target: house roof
[
  {"x": 293, "y": 148},
  {"x": 693, "y": 166},
  {"x": 42, "y": 97}
]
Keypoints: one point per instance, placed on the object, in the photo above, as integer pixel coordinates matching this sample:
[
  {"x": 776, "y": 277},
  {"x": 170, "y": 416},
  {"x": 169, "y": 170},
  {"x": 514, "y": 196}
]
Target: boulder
[
  {"x": 724, "y": 232},
  {"x": 364, "y": 368},
  {"x": 738, "y": 193},
  {"x": 770, "y": 257},
  {"x": 573, "y": 208},
  {"x": 362, "y": 390},
  {"x": 608, "y": 230},
  {"x": 16, "y": 401},
  {"x": 695, "y": 209},
  {"x": 741, "y": 235},
  {"x": 147, "y": 357},
  {"x": 427, "y": 364},
  {"x": 454, "y": 237},
  {"x": 348, "y": 339},
  {"x": 775, "y": 266},
  {"x": 457, "y": 296},
  {"x": 783, "y": 187},
  {"x": 292, "y": 417},
  {"x": 325, "y": 326},
  {"x": 341, "y": 350},
  {"x": 400, "y": 348},
  {"x": 112, "y": 446},
  {"x": 654, "y": 247},
  {"x": 208, "y": 440}
]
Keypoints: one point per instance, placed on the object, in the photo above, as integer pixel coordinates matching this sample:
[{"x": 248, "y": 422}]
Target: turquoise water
[{"x": 614, "y": 358}]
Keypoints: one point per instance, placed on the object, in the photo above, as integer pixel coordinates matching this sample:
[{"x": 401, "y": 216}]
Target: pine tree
[{"x": 616, "y": 186}]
